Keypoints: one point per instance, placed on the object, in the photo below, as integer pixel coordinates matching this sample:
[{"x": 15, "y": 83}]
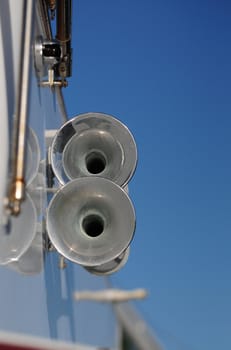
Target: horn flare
[
  {"x": 18, "y": 234},
  {"x": 94, "y": 144},
  {"x": 91, "y": 221}
]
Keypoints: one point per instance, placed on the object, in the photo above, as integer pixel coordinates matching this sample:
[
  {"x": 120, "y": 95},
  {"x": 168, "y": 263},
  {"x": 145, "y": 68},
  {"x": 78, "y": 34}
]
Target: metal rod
[
  {"x": 111, "y": 295},
  {"x": 17, "y": 187},
  {"x": 63, "y": 28},
  {"x": 63, "y": 35}
]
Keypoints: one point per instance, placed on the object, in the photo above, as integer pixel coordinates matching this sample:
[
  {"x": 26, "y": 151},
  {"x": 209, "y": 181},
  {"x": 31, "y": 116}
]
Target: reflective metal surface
[
  {"x": 31, "y": 262},
  {"x": 32, "y": 156},
  {"x": 94, "y": 144},
  {"x": 16, "y": 192},
  {"x": 91, "y": 221},
  {"x": 111, "y": 266},
  {"x": 19, "y": 232}
]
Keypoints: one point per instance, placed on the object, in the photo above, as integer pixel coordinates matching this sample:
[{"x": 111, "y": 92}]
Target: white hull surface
[{"x": 36, "y": 295}]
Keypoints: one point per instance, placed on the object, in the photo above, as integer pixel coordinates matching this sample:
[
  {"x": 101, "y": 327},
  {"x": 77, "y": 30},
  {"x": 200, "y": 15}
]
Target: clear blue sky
[{"x": 163, "y": 67}]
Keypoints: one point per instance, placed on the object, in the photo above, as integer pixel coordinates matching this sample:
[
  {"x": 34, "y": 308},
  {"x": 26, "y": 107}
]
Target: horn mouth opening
[
  {"x": 95, "y": 162},
  {"x": 93, "y": 225}
]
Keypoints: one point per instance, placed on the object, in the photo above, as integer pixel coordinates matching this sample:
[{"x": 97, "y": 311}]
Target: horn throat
[
  {"x": 93, "y": 225},
  {"x": 95, "y": 162}
]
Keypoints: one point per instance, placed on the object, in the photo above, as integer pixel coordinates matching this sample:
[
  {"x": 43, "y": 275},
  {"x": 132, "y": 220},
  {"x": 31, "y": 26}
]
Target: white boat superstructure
[{"x": 64, "y": 200}]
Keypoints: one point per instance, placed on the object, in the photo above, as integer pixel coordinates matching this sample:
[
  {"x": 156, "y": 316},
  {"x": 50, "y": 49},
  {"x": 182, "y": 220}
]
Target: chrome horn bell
[
  {"x": 18, "y": 233},
  {"x": 94, "y": 144},
  {"x": 91, "y": 221},
  {"x": 111, "y": 266}
]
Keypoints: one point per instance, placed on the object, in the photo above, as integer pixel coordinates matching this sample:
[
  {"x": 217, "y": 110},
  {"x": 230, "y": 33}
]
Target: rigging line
[
  {"x": 165, "y": 333},
  {"x": 43, "y": 13}
]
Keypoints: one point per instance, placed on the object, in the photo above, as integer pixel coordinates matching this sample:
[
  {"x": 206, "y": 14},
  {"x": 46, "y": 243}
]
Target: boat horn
[
  {"x": 111, "y": 266},
  {"x": 91, "y": 221},
  {"x": 94, "y": 144}
]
